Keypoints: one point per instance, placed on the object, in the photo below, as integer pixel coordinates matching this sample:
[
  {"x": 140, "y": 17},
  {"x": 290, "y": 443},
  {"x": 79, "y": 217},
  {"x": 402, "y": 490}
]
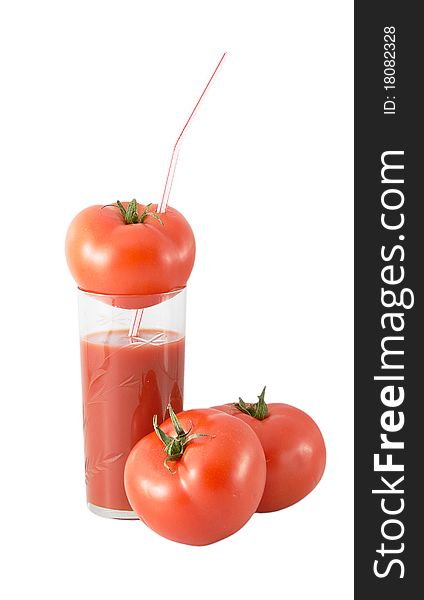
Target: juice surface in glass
[{"x": 125, "y": 381}]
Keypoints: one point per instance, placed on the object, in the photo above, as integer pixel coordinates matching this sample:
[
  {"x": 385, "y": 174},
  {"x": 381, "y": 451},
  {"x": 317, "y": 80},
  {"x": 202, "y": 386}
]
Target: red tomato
[
  {"x": 294, "y": 450},
  {"x": 130, "y": 250},
  {"x": 213, "y": 487}
]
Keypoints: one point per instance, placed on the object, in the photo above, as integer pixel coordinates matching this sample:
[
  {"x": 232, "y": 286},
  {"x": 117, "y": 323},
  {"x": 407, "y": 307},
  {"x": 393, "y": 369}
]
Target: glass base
[{"x": 111, "y": 513}]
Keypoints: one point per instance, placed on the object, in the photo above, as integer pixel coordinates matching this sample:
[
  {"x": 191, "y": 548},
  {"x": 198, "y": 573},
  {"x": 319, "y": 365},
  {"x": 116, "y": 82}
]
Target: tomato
[
  {"x": 201, "y": 485},
  {"x": 294, "y": 450},
  {"x": 127, "y": 248}
]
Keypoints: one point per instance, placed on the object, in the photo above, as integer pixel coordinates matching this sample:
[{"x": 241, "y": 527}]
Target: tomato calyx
[
  {"x": 130, "y": 214},
  {"x": 258, "y": 410},
  {"x": 175, "y": 446}
]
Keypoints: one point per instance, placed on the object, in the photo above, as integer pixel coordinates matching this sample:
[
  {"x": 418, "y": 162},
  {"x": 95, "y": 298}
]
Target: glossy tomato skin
[
  {"x": 217, "y": 484},
  {"x": 107, "y": 256},
  {"x": 294, "y": 450}
]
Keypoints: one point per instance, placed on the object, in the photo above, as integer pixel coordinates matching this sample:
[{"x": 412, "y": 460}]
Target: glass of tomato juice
[{"x": 125, "y": 382}]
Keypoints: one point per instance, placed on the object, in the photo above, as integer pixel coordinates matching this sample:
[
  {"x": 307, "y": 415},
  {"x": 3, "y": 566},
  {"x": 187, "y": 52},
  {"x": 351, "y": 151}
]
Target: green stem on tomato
[
  {"x": 258, "y": 410},
  {"x": 174, "y": 446},
  {"x": 130, "y": 214}
]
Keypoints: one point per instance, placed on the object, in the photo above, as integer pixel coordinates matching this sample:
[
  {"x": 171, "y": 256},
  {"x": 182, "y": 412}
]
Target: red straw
[
  {"x": 174, "y": 157},
  {"x": 136, "y": 322}
]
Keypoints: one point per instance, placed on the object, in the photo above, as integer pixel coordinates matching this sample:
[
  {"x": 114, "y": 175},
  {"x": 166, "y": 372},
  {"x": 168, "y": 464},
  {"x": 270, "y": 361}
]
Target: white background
[{"x": 94, "y": 94}]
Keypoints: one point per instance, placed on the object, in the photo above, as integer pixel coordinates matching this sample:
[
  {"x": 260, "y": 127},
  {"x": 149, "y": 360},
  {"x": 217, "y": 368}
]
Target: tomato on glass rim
[
  {"x": 128, "y": 248},
  {"x": 293, "y": 445},
  {"x": 197, "y": 479}
]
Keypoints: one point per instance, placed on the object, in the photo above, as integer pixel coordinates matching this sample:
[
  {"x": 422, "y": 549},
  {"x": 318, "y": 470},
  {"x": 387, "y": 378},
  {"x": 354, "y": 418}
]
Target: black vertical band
[{"x": 389, "y": 270}]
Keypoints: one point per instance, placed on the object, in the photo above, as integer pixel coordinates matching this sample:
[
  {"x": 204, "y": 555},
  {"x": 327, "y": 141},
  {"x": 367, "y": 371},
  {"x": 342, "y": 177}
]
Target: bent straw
[
  {"x": 136, "y": 321},
  {"x": 175, "y": 152}
]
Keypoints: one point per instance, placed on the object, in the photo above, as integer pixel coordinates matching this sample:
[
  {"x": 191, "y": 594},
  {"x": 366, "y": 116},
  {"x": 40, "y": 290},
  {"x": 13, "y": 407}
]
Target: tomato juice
[{"x": 125, "y": 382}]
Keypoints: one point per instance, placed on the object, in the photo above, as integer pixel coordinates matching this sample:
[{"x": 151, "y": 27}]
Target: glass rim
[
  {"x": 169, "y": 294},
  {"x": 132, "y": 301}
]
